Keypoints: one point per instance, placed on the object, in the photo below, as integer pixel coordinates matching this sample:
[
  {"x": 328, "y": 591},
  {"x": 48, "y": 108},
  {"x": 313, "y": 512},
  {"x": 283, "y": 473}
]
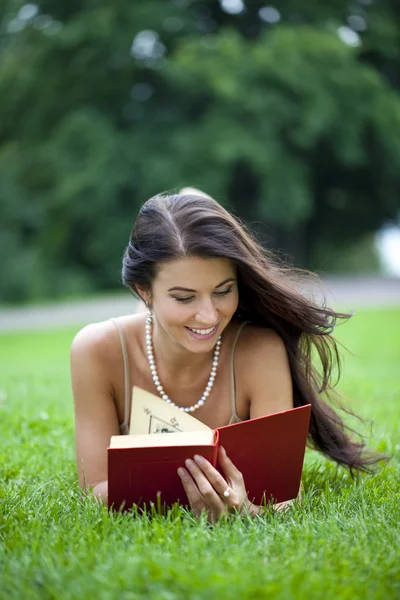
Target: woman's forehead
[{"x": 194, "y": 270}]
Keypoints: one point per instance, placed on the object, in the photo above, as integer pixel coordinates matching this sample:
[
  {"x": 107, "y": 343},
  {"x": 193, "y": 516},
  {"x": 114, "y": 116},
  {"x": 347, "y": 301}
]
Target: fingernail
[
  {"x": 189, "y": 463},
  {"x": 199, "y": 459},
  {"x": 181, "y": 472},
  {"x": 223, "y": 450}
]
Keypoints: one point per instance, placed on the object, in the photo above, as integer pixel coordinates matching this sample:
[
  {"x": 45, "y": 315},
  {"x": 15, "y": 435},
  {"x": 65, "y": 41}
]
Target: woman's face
[{"x": 193, "y": 300}]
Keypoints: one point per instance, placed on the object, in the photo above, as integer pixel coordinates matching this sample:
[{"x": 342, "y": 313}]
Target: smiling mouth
[{"x": 203, "y": 331}]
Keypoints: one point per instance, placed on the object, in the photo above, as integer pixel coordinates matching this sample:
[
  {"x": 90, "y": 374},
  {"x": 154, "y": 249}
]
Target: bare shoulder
[
  {"x": 255, "y": 341},
  {"x": 93, "y": 361},
  {"x": 101, "y": 340},
  {"x": 263, "y": 364},
  {"x": 96, "y": 339}
]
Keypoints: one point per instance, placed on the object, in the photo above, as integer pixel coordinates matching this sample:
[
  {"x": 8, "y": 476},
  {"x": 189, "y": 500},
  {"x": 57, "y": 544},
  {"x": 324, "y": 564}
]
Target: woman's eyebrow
[{"x": 183, "y": 289}]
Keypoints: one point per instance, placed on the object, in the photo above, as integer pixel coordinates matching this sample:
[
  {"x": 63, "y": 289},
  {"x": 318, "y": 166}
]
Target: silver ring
[{"x": 227, "y": 492}]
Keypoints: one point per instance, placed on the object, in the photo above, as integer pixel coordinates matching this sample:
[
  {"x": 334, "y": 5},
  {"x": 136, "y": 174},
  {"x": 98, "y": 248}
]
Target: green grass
[{"x": 342, "y": 542}]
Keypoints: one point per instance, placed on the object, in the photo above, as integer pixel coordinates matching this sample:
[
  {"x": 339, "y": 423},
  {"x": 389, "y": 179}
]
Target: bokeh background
[{"x": 288, "y": 114}]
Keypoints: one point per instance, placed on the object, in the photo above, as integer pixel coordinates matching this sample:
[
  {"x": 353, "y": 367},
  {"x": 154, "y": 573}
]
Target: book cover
[{"x": 142, "y": 467}]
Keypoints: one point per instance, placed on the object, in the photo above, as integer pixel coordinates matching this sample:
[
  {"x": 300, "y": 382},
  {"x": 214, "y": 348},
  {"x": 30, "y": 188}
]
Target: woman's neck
[{"x": 178, "y": 364}]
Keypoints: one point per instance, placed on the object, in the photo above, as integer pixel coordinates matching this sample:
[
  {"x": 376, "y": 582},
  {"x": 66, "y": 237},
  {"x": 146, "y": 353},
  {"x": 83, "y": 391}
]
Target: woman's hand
[{"x": 208, "y": 491}]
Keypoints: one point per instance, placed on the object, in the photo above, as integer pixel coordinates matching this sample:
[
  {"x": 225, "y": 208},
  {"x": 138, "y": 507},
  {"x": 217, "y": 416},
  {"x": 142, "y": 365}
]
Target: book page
[
  {"x": 188, "y": 438},
  {"x": 151, "y": 414}
]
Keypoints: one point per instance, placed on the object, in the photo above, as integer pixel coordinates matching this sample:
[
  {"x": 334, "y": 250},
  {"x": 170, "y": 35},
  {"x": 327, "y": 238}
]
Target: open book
[{"x": 269, "y": 452}]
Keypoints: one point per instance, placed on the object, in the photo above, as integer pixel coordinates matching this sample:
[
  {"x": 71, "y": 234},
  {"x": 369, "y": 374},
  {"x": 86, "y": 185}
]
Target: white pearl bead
[{"x": 160, "y": 388}]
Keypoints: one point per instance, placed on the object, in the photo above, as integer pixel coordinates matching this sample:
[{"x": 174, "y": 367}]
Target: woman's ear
[{"x": 144, "y": 294}]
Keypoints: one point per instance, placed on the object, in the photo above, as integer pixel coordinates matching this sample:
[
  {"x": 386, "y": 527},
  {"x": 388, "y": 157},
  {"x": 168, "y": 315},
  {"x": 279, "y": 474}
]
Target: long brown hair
[{"x": 180, "y": 225}]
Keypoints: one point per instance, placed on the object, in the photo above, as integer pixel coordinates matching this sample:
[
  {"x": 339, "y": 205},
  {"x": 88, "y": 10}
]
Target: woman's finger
[
  {"x": 196, "y": 500},
  {"x": 231, "y": 472},
  {"x": 213, "y": 476},
  {"x": 210, "y": 495}
]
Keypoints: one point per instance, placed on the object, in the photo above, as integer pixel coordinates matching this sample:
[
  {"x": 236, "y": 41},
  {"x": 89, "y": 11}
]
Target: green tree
[{"x": 105, "y": 104}]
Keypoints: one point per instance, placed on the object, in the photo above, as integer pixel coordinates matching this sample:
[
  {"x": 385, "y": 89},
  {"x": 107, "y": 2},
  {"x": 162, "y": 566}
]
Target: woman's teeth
[{"x": 202, "y": 331}]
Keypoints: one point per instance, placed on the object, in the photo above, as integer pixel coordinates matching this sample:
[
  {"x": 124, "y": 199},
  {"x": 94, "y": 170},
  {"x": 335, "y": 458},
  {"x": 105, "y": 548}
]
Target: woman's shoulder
[
  {"x": 256, "y": 346},
  {"x": 100, "y": 339},
  {"x": 263, "y": 365},
  {"x": 255, "y": 338}
]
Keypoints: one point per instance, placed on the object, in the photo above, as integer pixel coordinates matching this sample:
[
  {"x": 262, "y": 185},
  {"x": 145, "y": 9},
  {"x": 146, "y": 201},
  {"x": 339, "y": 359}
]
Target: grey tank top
[{"x": 124, "y": 427}]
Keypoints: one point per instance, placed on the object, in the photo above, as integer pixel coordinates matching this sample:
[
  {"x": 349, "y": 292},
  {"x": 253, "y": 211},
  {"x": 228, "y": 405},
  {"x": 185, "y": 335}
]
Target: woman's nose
[{"x": 207, "y": 313}]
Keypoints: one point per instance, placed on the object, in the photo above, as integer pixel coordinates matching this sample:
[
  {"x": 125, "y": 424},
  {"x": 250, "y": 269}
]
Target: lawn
[{"x": 342, "y": 542}]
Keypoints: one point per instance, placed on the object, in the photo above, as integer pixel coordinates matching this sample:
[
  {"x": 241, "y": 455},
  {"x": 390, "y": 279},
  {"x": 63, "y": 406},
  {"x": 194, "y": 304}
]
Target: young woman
[{"x": 229, "y": 338}]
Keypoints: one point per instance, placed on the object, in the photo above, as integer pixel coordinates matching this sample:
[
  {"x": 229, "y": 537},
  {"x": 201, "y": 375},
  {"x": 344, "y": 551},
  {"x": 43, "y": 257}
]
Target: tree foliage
[{"x": 104, "y": 104}]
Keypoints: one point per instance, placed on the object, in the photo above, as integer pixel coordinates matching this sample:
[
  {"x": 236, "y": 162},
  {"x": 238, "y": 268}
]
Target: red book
[{"x": 269, "y": 452}]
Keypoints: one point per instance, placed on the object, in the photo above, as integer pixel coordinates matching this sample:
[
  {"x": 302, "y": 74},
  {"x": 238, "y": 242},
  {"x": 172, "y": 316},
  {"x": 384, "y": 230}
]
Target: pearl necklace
[{"x": 154, "y": 374}]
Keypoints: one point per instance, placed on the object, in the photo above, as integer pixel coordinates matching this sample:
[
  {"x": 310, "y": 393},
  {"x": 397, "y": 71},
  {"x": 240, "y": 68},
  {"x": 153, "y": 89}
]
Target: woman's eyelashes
[{"x": 190, "y": 298}]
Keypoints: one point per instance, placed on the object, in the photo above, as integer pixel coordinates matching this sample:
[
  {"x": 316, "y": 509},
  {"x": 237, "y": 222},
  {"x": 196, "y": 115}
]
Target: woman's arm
[
  {"x": 268, "y": 377},
  {"x": 96, "y": 417},
  {"x": 269, "y": 384}
]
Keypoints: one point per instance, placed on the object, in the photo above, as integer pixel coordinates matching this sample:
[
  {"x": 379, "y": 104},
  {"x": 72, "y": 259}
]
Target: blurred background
[{"x": 288, "y": 114}]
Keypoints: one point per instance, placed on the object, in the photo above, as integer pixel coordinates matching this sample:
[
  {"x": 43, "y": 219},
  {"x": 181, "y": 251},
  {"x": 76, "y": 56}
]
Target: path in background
[{"x": 348, "y": 294}]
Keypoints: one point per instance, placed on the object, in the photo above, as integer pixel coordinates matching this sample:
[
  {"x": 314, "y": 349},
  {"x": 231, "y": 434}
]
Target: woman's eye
[
  {"x": 188, "y": 299},
  {"x": 223, "y": 293}
]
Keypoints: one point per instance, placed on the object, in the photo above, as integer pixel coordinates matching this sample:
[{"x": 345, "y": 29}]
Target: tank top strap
[
  {"x": 124, "y": 427},
  {"x": 234, "y": 417}
]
